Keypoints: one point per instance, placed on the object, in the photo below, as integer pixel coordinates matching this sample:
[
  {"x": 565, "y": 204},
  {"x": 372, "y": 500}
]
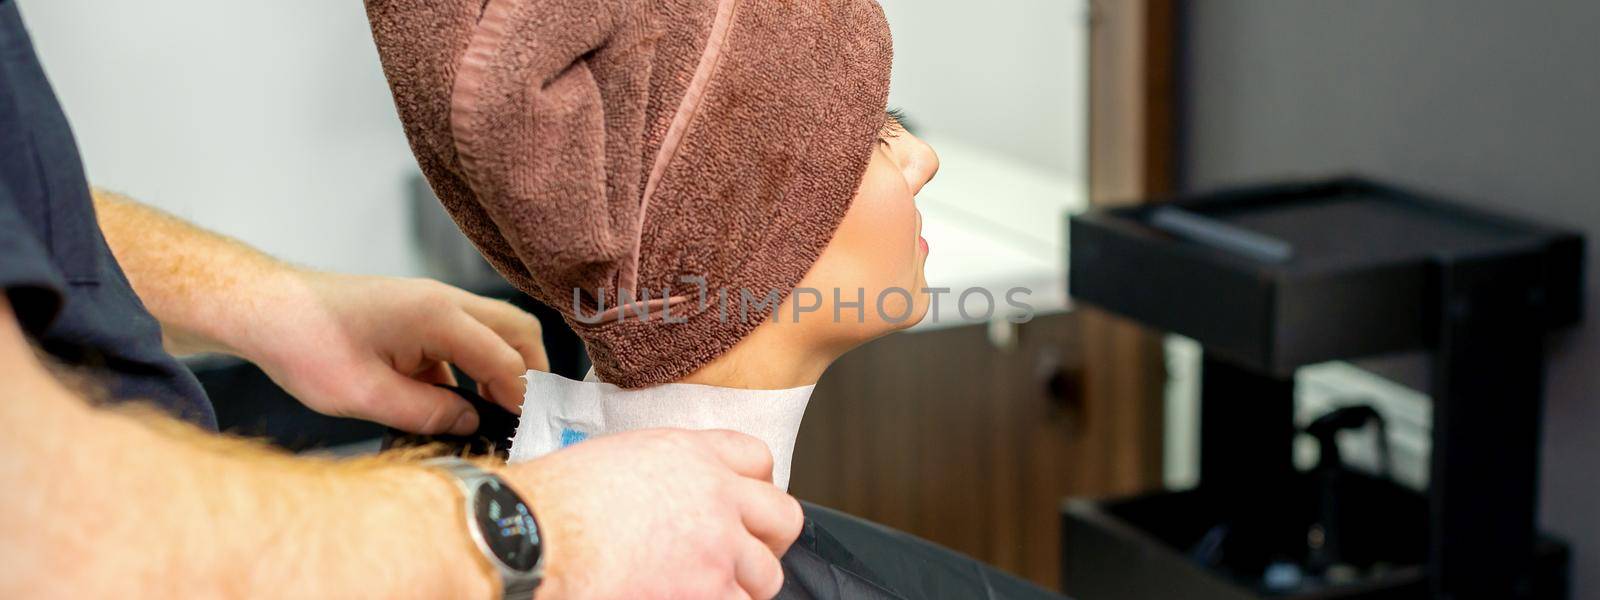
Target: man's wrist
[
  {"x": 547, "y": 583},
  {"x": 445, "y": 545},
  {"x": 526, "y": 480}
]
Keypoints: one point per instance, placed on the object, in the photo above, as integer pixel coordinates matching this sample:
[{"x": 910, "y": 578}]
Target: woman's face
[
  {"x": 873, "y": 264},
  {"x": 877, "y": 254}
]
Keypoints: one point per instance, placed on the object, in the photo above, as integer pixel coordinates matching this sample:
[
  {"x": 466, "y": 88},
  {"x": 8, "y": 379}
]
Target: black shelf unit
[{"x": 1272, "y": 278}]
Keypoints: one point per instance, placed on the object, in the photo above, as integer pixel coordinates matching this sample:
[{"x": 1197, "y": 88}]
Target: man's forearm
[
  {"x": 344, "y": 345},
  {"x": 207, "y": 290},
  {"x": 103, "y": 504}
]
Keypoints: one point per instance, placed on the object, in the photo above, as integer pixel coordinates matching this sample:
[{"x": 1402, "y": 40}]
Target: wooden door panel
[{"x": 942, "y": 435}]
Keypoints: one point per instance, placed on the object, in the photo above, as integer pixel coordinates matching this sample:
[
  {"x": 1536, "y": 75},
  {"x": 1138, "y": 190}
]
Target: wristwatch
[{"x": 502, "y": 526}]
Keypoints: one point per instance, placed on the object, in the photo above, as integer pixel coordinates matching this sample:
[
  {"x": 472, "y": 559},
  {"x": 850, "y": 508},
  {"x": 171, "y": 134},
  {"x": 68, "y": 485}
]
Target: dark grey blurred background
[{"x": 1486, "y": 101}]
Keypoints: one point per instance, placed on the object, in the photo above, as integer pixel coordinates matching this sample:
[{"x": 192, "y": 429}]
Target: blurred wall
[
  {"x": 1494, "y": 103},
  {"x": 271, "y": 122},
  {"x": 1008, "y": 78},
  {"x": 267, "y": 121}
]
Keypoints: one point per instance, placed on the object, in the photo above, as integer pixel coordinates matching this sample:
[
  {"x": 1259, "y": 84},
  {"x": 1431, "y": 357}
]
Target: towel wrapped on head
[{"x": 601, "y": 152}]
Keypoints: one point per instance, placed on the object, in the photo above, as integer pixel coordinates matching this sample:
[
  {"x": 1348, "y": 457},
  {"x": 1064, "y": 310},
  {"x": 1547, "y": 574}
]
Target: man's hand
[
  {"x": 660, "y": 514},
  {"x": 371, "y": 348},
  {"x": 365, "y": 347},
  {"x": 655, "y": 514}
]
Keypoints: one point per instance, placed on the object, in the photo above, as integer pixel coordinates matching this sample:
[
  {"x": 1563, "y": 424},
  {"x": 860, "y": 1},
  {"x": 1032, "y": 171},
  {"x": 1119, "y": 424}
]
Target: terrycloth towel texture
[
  {"x": 558, "y": 412},
  {"x": 606, "y": 145}
]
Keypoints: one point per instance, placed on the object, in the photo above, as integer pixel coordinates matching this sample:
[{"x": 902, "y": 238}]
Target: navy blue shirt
[{"x": 67, "y": 290}]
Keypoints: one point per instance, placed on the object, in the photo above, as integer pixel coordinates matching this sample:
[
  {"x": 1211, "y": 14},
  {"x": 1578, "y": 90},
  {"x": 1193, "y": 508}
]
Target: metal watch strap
[{"x": 514, "y": 585}]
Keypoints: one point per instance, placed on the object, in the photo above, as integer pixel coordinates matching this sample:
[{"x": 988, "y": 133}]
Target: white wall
[
  {"x": 267, "y": 121},
  {"x": 999, "y": 89},
  {"x": 1009, "y": 76},
  {"x": 271, "y": 122}
]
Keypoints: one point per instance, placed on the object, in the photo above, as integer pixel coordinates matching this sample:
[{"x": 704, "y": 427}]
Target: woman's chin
[{"x": 919, "y": 311}]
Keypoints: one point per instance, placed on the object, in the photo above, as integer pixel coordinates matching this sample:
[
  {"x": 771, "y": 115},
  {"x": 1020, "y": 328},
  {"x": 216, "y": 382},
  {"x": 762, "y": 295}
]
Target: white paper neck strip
[{"x": 558, "y": 412}]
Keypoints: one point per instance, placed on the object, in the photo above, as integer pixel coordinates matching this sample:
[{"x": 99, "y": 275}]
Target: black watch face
[{"x": 508, "y": 526}]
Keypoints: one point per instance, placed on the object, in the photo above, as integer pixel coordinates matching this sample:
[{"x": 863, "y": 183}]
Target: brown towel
[{"x": 594, "y": 146}]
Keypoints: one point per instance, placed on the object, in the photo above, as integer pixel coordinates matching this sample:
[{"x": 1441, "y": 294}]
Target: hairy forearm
[
  {"x": 207, "y": 290},
  {"x": 101, "y": 503}
]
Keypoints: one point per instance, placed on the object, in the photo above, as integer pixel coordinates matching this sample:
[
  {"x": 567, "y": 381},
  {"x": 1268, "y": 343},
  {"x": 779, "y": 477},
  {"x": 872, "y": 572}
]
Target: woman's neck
[{"x": 773, "y": 357}]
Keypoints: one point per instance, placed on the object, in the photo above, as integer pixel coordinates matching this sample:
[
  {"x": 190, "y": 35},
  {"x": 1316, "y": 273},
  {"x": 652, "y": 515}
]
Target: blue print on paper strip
[{"x": 570, "y": 436}]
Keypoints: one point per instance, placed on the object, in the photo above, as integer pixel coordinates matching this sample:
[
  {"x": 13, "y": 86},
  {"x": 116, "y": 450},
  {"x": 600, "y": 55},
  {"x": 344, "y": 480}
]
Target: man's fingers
[
  {"x": 418, "y": 407},
  {"x": 758, "y": 572},
  {"x": 482, "y": 355},
  {"x": 438, "y": 372},
  {"x": 518, "y": 328},
  {"x": 770, "y": 515},
  {"x": 747, "y": 456}
]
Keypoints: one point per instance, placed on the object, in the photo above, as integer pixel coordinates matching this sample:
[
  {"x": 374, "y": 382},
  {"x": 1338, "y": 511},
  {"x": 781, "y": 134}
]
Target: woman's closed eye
[{"x": 893, "y": 125}]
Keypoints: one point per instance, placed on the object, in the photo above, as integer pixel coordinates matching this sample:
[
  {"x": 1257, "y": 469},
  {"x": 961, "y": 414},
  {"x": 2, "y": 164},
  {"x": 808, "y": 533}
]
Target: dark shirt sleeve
[{"x": 31, "y": 281}]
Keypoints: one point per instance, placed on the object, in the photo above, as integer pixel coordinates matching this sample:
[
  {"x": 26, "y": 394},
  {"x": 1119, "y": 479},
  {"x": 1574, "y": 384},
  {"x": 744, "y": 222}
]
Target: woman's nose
[{"x": 918, "y": 162}]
